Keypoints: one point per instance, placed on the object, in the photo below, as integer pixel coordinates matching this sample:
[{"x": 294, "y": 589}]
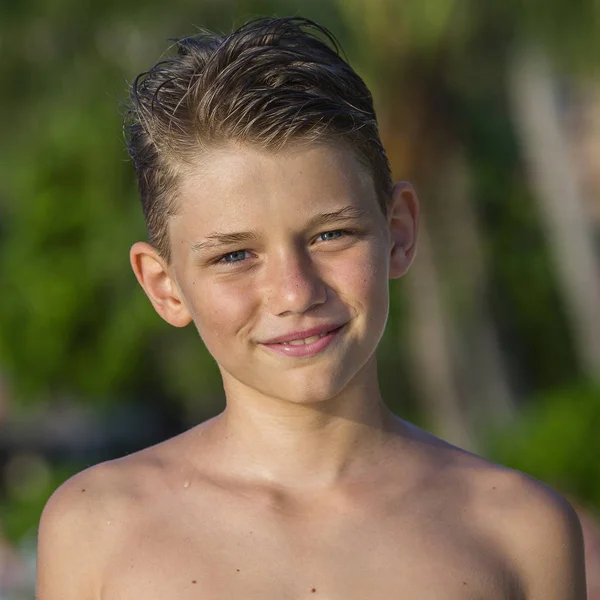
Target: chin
[
  {"x": 310, "y": 387},
  {"x": 294, "y": 388}
]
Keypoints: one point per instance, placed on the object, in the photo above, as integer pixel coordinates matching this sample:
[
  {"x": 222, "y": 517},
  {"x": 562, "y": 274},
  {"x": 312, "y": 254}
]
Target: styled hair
[{"x": 272, "y": 82}]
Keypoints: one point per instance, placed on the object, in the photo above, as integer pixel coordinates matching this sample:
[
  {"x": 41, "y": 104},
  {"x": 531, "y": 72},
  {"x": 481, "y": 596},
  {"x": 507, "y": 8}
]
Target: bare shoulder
[
  {"x": 84, "y": 519},
  {"x": 539, "y": 530},
  {"x": 528, "y": 523}
]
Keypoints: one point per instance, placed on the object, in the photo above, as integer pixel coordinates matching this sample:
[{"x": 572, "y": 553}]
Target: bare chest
[{"x": 216, "y": 558}]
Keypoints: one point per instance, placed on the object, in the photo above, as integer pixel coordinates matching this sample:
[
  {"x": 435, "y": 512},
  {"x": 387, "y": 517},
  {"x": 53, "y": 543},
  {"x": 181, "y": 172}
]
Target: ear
[
  {"x": 153, "y": 275},
  {"x": 403, "y": 223}
]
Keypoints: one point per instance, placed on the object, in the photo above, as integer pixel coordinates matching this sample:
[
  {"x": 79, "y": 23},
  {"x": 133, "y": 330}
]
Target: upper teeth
[{"x": 308, "y": 340}]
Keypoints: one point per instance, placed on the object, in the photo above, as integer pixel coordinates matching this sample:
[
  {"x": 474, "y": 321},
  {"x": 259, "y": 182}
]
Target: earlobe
[
  {"x": 403, "y": 223},
  {"x": 153, "y": 275}
]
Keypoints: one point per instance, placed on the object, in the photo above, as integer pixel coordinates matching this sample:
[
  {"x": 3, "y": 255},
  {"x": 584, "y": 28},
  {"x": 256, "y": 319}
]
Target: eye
[
  {"x": 233, "y": 257},
  {"x": 327, "y": 236}
]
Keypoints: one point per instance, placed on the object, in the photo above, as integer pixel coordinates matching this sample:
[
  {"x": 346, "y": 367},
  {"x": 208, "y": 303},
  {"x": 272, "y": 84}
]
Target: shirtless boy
[{"x": 274, "y": 228}]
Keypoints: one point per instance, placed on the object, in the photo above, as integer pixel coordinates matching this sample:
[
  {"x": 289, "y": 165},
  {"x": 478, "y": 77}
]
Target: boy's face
[{"x": 266, "y": 245}]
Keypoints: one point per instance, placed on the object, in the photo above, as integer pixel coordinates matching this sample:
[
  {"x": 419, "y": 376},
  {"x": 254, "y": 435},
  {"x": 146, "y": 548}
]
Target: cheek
[
  {"x": 374, "y": 290},
  {"x": 365, "y": 278},
  {"x": 220, "y": 308}
]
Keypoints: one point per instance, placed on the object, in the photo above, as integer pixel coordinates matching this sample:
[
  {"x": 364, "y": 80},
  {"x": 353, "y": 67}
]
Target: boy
[{"x": 274, "y": 226}]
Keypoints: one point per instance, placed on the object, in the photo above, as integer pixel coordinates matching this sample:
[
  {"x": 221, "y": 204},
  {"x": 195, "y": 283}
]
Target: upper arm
[
  {"x": 556, "y": 563},
  {"x": 67, "y": 558},
  {"x": 546, "y": 543}
]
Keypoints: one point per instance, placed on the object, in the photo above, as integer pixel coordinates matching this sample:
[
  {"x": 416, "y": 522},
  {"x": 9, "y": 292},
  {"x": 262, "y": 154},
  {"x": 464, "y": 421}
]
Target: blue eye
[
  {"x": 331, "y": 235},
  {"x": 233, "y": 257}
]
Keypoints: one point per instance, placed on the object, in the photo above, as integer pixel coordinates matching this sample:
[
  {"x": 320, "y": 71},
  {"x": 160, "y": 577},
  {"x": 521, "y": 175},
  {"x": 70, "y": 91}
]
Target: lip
[
  {"x": 305, "y": 350},
  {"x": 300, "y": 335}
]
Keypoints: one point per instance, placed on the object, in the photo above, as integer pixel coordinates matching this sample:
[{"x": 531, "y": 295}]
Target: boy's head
[
  {"x": 272, "y": 216},
  {"x": 270, "y": 84}
]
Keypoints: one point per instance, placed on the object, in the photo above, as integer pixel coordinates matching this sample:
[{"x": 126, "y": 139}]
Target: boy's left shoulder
[
  {"x": 516, "y": 501},
  {"x": 531, "y": 524}
]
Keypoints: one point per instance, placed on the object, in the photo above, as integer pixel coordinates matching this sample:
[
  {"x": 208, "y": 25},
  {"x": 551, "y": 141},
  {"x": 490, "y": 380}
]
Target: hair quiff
[{"x": 268, "y": 83}]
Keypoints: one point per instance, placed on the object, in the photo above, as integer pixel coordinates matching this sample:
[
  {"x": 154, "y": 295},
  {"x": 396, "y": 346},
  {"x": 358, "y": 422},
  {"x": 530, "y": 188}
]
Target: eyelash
[{"x": 346, "y": 232}]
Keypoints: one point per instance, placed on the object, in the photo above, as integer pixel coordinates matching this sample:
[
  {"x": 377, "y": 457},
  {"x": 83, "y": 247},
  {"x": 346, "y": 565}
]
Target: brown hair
[{"x": 269, "y": 82}]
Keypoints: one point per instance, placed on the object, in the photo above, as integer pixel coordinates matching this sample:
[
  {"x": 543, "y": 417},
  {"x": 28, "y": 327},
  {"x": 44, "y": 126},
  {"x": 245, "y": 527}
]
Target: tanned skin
[{"x": 306, "y": 486}]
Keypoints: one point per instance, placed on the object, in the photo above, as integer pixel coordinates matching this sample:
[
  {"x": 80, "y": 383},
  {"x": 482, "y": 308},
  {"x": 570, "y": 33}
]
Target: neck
[{"x": 320, "y": 444}]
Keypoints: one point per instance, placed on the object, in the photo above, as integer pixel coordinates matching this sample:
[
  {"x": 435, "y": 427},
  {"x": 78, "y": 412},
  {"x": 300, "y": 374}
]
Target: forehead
[{"x": 236, "y": 184}]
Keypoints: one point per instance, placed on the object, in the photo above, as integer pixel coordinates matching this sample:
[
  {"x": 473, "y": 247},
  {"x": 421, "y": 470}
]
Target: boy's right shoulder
[
  {"x": 118, "y": 493},
  {"x": 93, "y": 490},
  {"x": 88, "y": 515},
  {"x": 83, "y": 522},
  {"x": 111, "y": 484}
]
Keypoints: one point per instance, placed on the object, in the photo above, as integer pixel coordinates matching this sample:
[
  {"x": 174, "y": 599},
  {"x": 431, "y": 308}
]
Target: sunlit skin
[
  {"x": 314, "y": 249},
  {"x": 306, "y": 486}
]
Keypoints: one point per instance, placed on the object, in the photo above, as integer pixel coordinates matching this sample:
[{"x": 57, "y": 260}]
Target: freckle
[
  {"x": 194, "y": 581},
  {"x": 238, "y": 570},
  {"x": 313, "y": 590},
  {"x": 464, "y": 583},
  {"x": 83, "y": 490},
  {"x": 494, "y": 487}
]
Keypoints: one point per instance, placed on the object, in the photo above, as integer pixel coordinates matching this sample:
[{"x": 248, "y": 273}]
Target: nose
[{"x": 293, "y": 284}]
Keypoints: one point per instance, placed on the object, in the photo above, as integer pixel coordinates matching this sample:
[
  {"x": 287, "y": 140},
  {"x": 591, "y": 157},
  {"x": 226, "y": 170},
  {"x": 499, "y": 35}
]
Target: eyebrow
[
  {"x": 346, "y": 213},
  {"x": 218, "y": 238},
  {"x": 221, "y": 239}
]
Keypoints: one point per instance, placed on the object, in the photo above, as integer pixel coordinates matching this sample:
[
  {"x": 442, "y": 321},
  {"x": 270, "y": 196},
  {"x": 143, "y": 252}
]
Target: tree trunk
[{"x": 560, "y": 202}]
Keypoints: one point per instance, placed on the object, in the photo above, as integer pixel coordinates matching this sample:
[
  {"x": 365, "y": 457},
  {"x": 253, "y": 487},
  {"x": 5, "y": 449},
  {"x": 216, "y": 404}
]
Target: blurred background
[{"x": 491, "y": 108}]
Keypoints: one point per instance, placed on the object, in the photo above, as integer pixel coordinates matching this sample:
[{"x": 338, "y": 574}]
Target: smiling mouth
[
  {"x": 304, "y": 341},
  {"x": 300, "y": 348}
]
